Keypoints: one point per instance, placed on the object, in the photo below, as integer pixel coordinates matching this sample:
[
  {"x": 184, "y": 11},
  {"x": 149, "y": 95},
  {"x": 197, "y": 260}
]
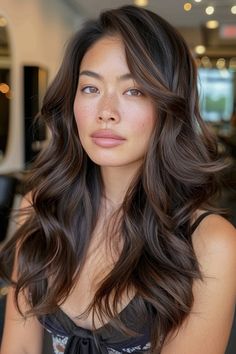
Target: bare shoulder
[
  {"x": 15, "y": 325},
  {"x": 216, "y": 235},
  {"x": 207, "y": 328},
  {"x": 214, "y": 242}
]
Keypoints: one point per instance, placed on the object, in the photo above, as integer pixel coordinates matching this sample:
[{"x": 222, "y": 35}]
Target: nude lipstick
[{"x": 107, "y": 138}]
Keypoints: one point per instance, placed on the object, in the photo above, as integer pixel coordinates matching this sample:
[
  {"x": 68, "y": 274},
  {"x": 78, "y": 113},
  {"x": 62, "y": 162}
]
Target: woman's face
[{"x": 114, "y": 117}]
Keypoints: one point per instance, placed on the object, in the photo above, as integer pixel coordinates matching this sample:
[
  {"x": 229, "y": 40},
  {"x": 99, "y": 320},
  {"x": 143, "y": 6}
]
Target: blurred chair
[{"x": 7, "y": 192}]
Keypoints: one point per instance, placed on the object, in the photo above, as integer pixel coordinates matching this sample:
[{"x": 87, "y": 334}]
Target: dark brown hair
[{"x": 178, "y": 177}]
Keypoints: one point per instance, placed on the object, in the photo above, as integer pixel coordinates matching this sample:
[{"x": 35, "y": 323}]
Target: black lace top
[{"x": 68, "y": 338}]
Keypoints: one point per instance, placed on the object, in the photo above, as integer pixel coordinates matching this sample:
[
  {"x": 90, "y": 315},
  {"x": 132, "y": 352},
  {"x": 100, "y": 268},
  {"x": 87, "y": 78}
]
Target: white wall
[{"x": 38, "y": 31}]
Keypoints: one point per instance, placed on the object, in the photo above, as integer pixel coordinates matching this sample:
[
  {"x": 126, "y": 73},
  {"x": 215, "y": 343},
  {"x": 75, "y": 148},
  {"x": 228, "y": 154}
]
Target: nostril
[{"x": 104, "y": 118}]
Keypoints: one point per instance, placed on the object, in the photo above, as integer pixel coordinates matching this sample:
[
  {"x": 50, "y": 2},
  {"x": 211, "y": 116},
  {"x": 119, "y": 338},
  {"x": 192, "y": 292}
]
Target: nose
[{"x": 108, "y": 111}]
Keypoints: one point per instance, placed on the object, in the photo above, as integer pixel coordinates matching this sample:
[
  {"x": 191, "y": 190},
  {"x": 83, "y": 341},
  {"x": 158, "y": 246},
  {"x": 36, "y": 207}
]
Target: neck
[{"x": 117, "y": 181}]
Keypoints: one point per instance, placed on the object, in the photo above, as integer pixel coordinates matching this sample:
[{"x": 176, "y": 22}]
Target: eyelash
[
  {"x": 88, "y": 87},
  {"x": 137, "y": 92}
]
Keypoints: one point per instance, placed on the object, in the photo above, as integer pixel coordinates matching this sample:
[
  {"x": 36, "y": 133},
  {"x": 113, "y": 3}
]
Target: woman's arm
[
  {"x": 20, "y": 336},
  {"x": 207, "y": 328}
]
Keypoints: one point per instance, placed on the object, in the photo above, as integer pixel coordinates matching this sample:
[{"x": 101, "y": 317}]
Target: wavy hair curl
[{"x": 177, "y": 178}]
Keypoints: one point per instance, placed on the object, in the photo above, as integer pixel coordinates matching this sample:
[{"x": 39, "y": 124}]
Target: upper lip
[{"x": 106, "y": 133}]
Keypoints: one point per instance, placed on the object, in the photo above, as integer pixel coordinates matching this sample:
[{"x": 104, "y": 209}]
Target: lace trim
[{"x": 59, "y": 344}]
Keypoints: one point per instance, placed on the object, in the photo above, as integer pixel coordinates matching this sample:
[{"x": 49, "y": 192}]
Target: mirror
[{"x": 5, "y": 91}]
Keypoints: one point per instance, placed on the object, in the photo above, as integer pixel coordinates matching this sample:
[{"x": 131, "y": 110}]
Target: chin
[
  {"x": 112, "y": 162},
  {"x": 104, "y": 159},
  {"x": 111, "y": 158},
  {"x": 106, "y": 163}
]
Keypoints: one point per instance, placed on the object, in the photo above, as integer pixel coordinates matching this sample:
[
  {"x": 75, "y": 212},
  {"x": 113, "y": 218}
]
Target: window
[{"x": 216, "y": 88}]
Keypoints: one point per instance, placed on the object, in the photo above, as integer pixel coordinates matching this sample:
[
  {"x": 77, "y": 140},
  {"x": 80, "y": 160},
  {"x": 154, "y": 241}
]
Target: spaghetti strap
[{"x": 198, "y": 220}]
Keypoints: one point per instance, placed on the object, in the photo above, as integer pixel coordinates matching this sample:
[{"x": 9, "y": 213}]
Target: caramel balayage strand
[{"x": 178, "y": 177}]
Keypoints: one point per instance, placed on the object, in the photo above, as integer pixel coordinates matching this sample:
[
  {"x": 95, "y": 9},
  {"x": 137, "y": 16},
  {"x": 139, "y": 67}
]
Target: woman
[{"x": 119, "y": 249}]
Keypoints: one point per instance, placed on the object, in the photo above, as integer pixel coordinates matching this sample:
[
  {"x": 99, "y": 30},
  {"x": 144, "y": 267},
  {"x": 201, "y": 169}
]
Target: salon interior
[{"x": 33, "y": 34}]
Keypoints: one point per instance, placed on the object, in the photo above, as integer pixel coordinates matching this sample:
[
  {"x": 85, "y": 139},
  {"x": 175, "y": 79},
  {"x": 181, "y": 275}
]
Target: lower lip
[{"x": 107, "y": 142}]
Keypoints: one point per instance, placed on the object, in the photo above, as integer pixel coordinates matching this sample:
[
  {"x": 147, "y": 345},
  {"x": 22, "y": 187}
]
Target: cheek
[
  {"x": 142, "y": 120},
  {"x": 82, "y": 114}
]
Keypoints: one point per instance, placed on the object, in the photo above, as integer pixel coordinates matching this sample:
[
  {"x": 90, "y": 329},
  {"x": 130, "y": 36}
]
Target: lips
[
  {"x": 107, "y": 138},
  {"x": 106, "y": 134}
]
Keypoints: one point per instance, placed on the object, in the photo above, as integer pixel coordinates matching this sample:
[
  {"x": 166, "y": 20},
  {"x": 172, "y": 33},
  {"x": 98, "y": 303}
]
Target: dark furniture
[{"x": 7, "y": 192}]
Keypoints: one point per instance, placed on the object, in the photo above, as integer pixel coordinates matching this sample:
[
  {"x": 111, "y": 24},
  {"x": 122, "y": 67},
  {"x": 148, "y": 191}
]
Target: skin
[
  {"x": 207, "y": 328},
  {"x": 108, "y": 98},
  {"x": 20, "y": 336}
]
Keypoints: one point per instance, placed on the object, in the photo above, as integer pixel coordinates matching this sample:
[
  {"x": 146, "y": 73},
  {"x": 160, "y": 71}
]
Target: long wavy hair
[{"x": 178, "y": 177}]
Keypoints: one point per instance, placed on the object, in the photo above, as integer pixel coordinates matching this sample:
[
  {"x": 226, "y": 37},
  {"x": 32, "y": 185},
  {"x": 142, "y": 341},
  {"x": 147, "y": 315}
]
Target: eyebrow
[{"x": 95, "y": 75}]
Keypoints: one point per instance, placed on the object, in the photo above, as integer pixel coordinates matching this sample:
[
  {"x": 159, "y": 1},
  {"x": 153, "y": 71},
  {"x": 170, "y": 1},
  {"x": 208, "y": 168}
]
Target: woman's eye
[
  {"x": 89, "y": 89},
  {"x": 134, "y": 92}
]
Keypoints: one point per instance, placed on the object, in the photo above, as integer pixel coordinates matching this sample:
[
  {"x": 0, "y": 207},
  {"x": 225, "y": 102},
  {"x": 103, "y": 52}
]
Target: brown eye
[
  {"x": 133, "y": 92},
  {"x": 89, "y": 89}
]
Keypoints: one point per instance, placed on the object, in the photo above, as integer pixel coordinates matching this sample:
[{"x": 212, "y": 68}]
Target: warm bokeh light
[
  {"x": 187, "y": 6},
  {"x": 210, "y": 10},
  {"x": 220, "y": 64},
  {"x": 4, "y": 88},
  {"x": 212, "y": 24},
  {"x": 3, "y": 21},
  {"x": 232, "y": 63},
  {"x": 141, "y": 2},
  {"x": 200, "y": 49},
  {"x": 197, "y": 0},
  {"x": 206, "y": 62},
  {"x": 4, "y": 289},
  {"x": 233, "y": 10}
]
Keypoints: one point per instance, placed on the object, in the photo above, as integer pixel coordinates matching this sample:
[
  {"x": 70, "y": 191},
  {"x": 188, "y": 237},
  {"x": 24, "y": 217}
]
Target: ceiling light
[
  {"x": 141, "y": 2},
  {"x": 3, "y": 21},
  {"x": 187, "y": 6},
  {"x": 233, "y": 10},
  {"x": 197, "y": 0},
  {"x": 200, "y": 49},
  {"x": 210, "y": 10},
  {"x": 212, "y": 24}
]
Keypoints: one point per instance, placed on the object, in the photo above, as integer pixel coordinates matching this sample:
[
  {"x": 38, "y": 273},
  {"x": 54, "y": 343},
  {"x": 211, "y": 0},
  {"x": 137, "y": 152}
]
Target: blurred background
[{"x": 33, "y": 35}]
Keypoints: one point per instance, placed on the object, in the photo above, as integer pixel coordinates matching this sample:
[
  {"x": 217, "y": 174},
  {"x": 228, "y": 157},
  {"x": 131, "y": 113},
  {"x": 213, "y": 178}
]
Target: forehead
[{"x": 107, "y": 52}]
